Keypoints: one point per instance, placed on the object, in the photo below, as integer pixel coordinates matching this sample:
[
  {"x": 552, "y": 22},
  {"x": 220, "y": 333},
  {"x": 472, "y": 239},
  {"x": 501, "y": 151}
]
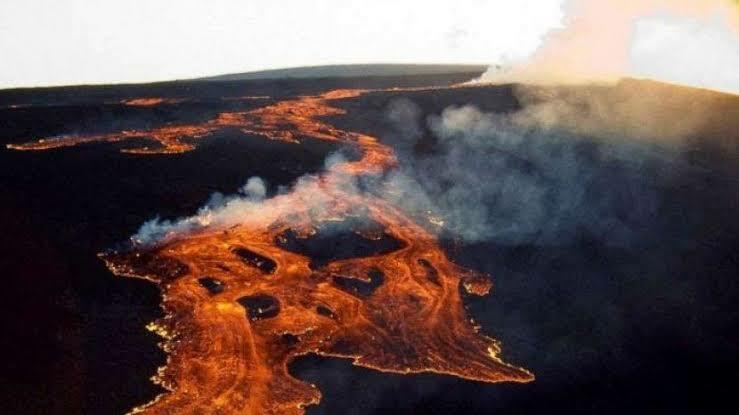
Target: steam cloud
[
  {"x": 558, "y": 170},
  {"x": 248, "y": 204},
  {"x": 691, "y": 42},
  {"x": 514, "y": 179},
  {"x": 573, "y": 162},
  {"x": 220, "y": 210}
]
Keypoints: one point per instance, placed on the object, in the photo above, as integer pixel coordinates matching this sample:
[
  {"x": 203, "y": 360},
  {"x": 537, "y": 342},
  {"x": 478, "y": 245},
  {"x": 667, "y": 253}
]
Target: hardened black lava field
[{"x": 391, "y": 206}]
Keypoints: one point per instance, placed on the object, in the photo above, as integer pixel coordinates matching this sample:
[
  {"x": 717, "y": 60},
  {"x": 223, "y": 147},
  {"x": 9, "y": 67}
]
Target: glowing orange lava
[
  {"x": 149, "y": 102},
  {"x": 241, "y": 304}
]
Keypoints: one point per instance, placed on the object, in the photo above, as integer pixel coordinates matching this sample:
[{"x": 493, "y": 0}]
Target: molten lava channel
[{"x": 242, "y": 302}]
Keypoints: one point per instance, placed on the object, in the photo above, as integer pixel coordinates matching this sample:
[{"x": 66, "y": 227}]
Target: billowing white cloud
[
  {"x": 702, "y": 51},
  {"x": 693, "y": 42}
]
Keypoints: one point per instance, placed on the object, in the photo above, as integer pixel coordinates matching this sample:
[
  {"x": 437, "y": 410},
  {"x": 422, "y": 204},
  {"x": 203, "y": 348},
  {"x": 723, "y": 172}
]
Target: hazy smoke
[
  {"x": 692, "y": 42},
  {"x": 220, "y": 210},
  {"x": 573, "y": 163},
  {"x": 524, "y": 178},
  {"x": 567, "y": 165},
  {"x": 248, "y": 205}
]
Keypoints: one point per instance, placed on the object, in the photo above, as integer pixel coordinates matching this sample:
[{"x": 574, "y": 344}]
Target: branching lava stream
[{"x": 242, "y": 301}]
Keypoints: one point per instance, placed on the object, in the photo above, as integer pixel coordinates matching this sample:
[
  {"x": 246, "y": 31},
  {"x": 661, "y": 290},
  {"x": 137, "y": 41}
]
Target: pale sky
[{"x": 63, "y": 42}]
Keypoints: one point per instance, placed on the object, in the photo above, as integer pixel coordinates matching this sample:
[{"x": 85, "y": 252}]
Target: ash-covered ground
[{"x": 604, "y": 215}]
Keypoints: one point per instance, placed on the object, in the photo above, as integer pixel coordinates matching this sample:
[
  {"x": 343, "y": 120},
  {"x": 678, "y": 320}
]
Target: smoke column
[{"x": 690, "y": 42}]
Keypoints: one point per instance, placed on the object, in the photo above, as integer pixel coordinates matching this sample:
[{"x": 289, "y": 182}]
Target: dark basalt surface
[
  {"x": 260, "y": 307},
  {"x": 253, "y": 259},
  {"x": 431, "y": 273},
  {"x": 361, "y": 287},
  {"x": 325, "y": 311},
  {"x": 352, "y": 238},
  {"x": 213, "y": 285},
  {"x": 608, "y": 330}
]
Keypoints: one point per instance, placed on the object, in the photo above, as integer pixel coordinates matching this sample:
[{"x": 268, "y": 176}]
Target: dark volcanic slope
[
  {"x": 353, "y": 71},
  {"x": 639, "y": 317},
  {"x": 205, "y": 91}
]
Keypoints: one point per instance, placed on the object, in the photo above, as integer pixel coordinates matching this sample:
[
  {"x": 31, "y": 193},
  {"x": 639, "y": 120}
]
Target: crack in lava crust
[{"x": 239, "y": 307}]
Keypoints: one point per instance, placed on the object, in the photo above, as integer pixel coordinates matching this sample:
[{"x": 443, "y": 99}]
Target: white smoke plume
[
  {"x": 220, "y": 210},
  {"x": 690, "y": 42},
  {"x": 250, "y": 204},
  {"x": 572, "y": 162}
]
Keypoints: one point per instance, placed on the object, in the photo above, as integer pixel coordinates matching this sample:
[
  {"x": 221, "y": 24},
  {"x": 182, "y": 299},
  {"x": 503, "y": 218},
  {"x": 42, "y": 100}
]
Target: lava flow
[
  {"x": 243, "y": 301},
  {"x": 150, "y": 102}
]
